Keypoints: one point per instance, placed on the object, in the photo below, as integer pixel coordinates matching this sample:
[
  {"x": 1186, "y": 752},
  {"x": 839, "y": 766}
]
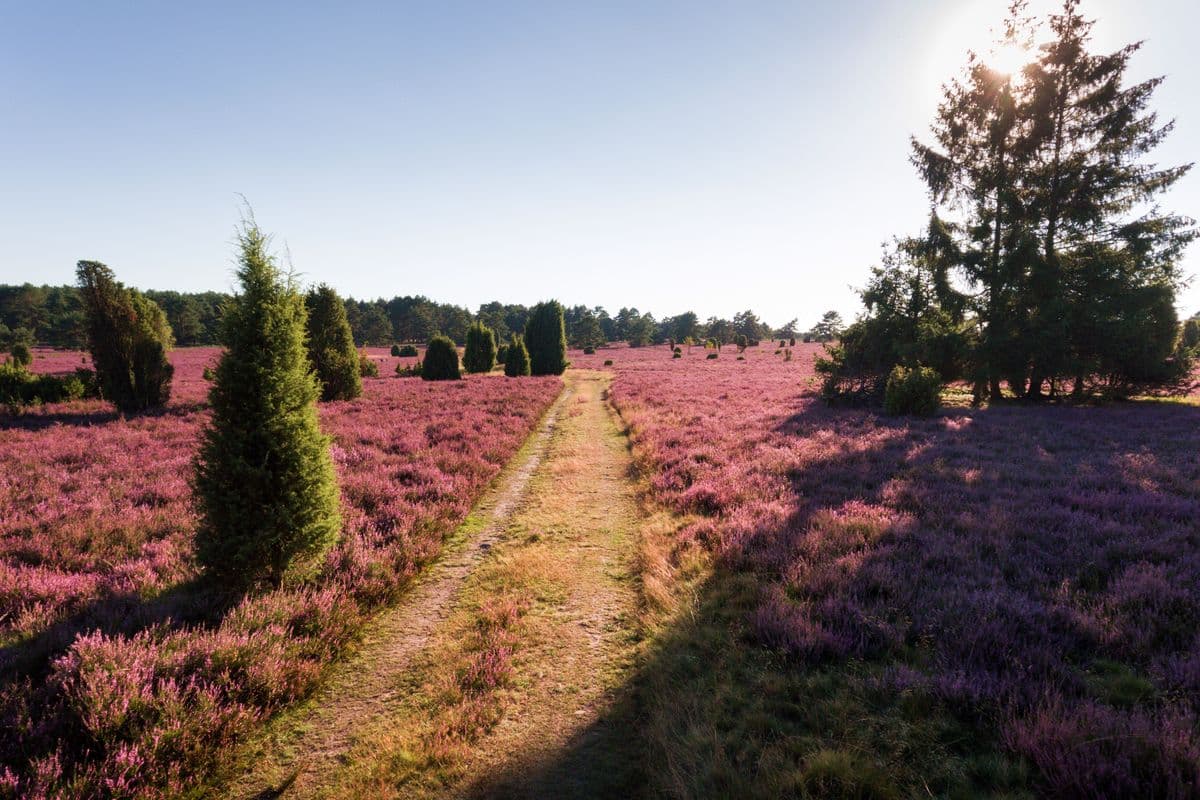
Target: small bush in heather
[
  {"x": 546, "y": 339},
  {"x": 129, "y": 337},
  {"x": 916, "y": 391},
  {"x": 502, "y": 353},
  {"x": 367, "y": 368},
  {"x": 480, "y": 355},
  {"x": 589, "y": 351},
  {"x": 22, "y": 356},
  {"x": 208, "y": 374},
  {"x": 517, "y": 363},
  {"x": 395, "y": 351},
  {"x": 782, "y": 343},
  {"x": 409, "y": 351},
  {"x": 677, "y": 355},
  {"x": 677, "y": 350},
  {"x": 413, "y": 371},
  {"x": 608, "y": 362},
  {"x": 441, "y": 360},
  {"x": 792, "y": 342},
  {"x": 711, "y": 356},
  {"x": 264, "y": 479},
  {"x": 331, "y": 353}
]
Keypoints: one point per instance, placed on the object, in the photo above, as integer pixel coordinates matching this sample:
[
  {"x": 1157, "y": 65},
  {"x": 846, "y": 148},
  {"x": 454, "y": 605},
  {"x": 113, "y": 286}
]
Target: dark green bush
[
  {"x": 395, "y": 351},
  {"x": 208, "y": 374},
  {"x": 21, "y": 354},
  {"x": 589, "y": 351},
  {"x": 676, "y": 355},
  {"x": 413, "y": 371},
  {"x": 480, "y": 355},
  {"x": 441, "y": 360},
  {"x": 711, "y": 356},
  {"x": 916, "y": 391},
  {"x": 608, "y": 362},
  {"x": 19, "y": 387},
  {"x": 338, "y": 366},
  {"x": 516, "y": 365},
  {"x": 129, "y": 337},
  {"x": 409, "y": 351},
  {"x": 264, "y": 478},
  {"x": 502, "y": 354},
  {"x": 546, "y": 339}
]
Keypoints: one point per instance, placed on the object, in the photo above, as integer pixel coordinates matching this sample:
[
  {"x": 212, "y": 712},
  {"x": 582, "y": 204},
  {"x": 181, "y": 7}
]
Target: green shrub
[
  {"x": 502, "y": 354},
  {"x": 589, "y": 351},
  {"x": 546, "y": 339},
  {"x": 711, "y": 356},
  {"x": 395, "y": 351},
  {"x": 676, "y": 355},
  {"x": 208, "y": 374},
  {"x": 517, "y": 363},
  {"x": 480, "y": 355},
  {"x": 677, "y": 350},
  {"x": 264, "y": 479},
  {"x": 409, "y": 351},
  {"x": 367, "y": 368},
  {"x": 441, "y": 360},
  {"x": 608, "y": 362},
  {"x": 129, "y": 337},
  {"x": 916, "y": 391},
  {"x": 413, "y": 371},
  {"x": 21, "y": 354},
  {"x": 331, "y": 354}
]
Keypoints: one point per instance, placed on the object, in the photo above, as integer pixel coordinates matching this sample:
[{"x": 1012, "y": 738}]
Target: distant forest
[{"x": 53, "y": 315}]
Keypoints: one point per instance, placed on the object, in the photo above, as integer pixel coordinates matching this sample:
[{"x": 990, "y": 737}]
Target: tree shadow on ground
[
  {"x": 38, "y": 420},
  {"x": 992, "y": 512}
]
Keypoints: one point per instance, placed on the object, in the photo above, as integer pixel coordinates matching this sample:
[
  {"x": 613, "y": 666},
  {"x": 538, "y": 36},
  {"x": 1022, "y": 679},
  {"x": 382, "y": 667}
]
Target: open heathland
[{"x": 124, "y": 674}]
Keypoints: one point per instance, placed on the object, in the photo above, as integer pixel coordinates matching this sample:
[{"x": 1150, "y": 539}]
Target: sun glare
[{"x": 1007, "y": 59}]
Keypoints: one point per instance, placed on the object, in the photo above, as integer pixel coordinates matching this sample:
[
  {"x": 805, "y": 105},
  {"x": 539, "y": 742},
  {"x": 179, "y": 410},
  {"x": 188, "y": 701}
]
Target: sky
[{"x": 691, "y": 155}]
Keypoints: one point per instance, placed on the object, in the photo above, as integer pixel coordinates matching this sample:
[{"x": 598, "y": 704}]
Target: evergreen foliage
[
  {"x": 408, "y": 351},
  {"x": 395, "y": 351},
  {"x": 916, "y": 391},
  {"x": 129, "y": 337},
  {"x": 264, "y": 478},
  {"x": 480, "y": 354},
  {"x": 546, "y": 339},
  {"x": 21, "y": 354},
  {"x": 516, "y": 362},
  {"x": 331, "y": 352},
  {"x": 367, "y": 368},
  {"x": 441, "y": 360}
]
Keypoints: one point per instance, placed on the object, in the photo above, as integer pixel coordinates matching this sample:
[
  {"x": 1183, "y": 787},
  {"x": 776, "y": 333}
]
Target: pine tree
[
  {"x": 331, "y": 350},
  {"x": 480, "y": 355},
  {"x": 546, "y": 339},
  {"x": 128, "y": 337},
  {"x": 264, "y": 478},
  {"x": 441, "y": 360},
  {"x": 516, "y": 361}
]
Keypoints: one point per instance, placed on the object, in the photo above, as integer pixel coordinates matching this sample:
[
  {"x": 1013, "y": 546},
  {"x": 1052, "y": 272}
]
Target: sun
[{"x": 1007, "y": 58}]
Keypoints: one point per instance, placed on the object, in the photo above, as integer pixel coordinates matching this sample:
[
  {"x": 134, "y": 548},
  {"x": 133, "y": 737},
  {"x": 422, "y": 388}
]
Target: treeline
[
  {"x": 1047, "y": 266},
  {"x": 54, "y": 316}
]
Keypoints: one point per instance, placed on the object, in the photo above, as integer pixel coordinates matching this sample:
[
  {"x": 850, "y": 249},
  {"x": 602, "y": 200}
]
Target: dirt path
[{"x": 300, "y": 748}]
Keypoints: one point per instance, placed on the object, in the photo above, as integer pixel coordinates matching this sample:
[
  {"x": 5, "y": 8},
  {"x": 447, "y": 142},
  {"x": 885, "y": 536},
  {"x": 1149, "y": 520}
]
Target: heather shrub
[
  {"x": 546, "y": 339},
  {"x": 441, "y": 360},
  {"x": 128, "y": 337},
  {"x": 517, "y": 363},
  {"x": 331, "y": 353},
  {"x": 408, "y": 351},
  {"x": 916, "y": 391},
  {"x": 480, "y": 354},
  {"x": 395, "y": 351},
  {"x": 367, "y": 368},
  {"x": 21, "y": 354},
  {"x": 264, "y": 479}
]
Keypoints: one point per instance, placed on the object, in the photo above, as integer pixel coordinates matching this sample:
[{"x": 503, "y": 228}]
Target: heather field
[
  {"x": 990, "y": 602},
  {"x": 123, "y": 675}
]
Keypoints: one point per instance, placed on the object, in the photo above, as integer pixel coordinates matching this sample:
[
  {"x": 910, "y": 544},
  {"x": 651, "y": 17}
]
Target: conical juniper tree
[
  {"x": 516, "y": 359},
  {"x": 546, "y": 339},
  {"x": 480, "y": 354},
  {"x": 129, "y": 338},
  {"x": 331, "y": 351},
  {"x": 264, "y": 478}
]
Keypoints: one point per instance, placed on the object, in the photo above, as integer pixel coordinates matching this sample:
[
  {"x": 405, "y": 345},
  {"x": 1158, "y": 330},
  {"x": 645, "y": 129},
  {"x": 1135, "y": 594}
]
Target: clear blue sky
[{"x": 669, "y": 155}]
